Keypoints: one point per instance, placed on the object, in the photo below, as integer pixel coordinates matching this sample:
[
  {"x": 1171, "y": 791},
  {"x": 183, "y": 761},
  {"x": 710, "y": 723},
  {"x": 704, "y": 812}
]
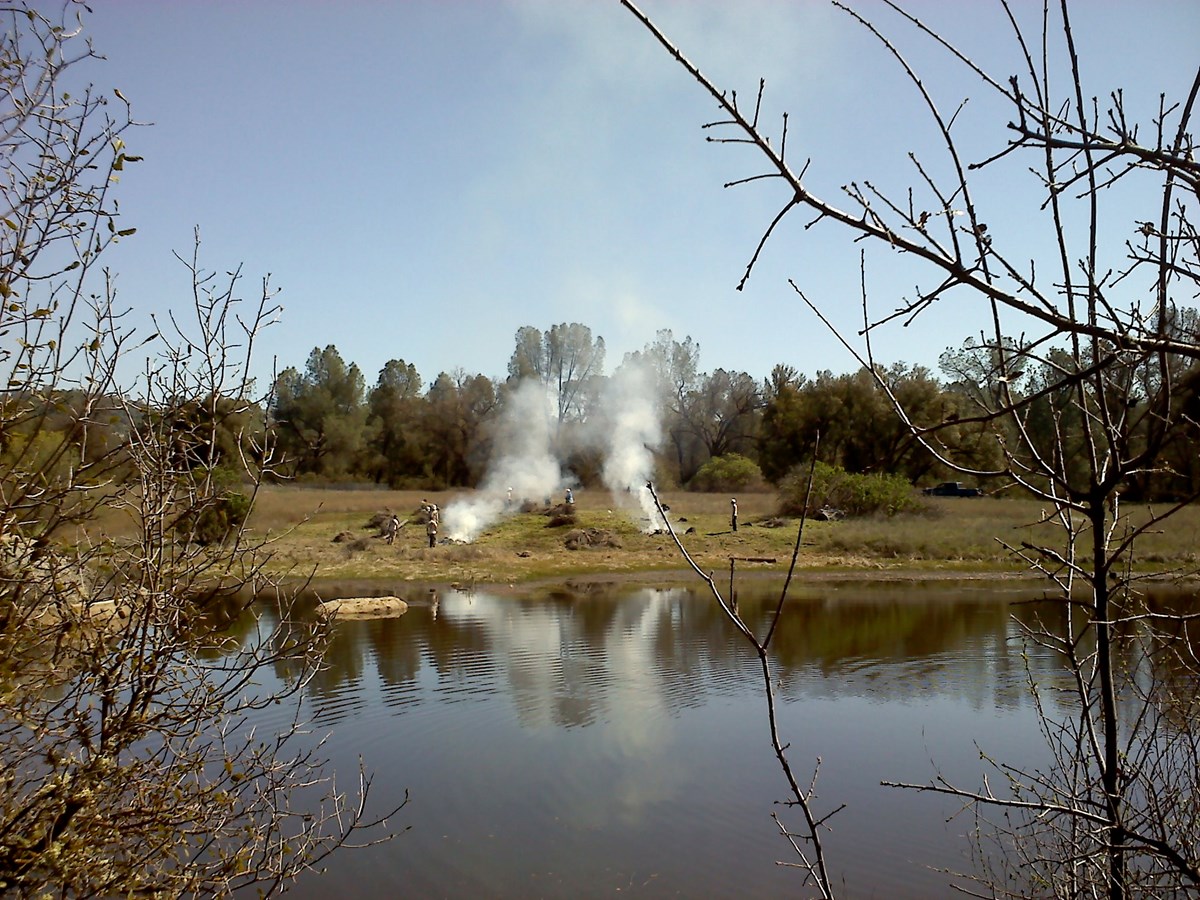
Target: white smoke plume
[
  {"x": 522, "y": 459},
  {"x": 624, "y": 427},
  {"x": 631, "y": 411}
]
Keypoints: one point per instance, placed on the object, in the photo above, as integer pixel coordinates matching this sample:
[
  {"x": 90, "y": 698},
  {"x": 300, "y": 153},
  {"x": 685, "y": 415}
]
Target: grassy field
[{"x": 948, "y": 536}]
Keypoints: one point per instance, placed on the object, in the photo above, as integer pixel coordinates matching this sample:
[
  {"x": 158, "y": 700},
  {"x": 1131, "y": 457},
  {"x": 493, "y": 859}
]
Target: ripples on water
[{"x": 617, "y": 742}]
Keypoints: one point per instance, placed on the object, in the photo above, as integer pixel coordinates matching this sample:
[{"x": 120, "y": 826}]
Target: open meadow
[{"x": 958, "y": 536}]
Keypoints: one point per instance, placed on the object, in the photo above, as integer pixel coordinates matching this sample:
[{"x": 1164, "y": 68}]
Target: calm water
[{"x": 615, "y": 741}]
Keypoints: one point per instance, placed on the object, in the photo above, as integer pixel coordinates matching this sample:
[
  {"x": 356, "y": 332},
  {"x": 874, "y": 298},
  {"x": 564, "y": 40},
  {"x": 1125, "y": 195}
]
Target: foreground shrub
[{"x": 854, "y": 494}]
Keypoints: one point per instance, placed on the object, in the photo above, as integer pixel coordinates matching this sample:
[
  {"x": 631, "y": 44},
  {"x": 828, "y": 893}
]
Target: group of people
[{"x": 432, "y": 518}]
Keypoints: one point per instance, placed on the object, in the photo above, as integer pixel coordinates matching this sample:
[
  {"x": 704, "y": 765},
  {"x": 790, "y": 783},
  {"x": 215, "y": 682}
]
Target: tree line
[
  {"x": 722, "y": 429},
  {"x": 403, "y": 434}
]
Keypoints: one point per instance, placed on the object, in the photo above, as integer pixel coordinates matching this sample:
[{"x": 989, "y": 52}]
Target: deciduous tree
[
  {"x": 567, "y": 359},
  {"x": 1117, "y": 813},
  {"x": 126, "y": 767},
  {"x": 723, "y": 413}
]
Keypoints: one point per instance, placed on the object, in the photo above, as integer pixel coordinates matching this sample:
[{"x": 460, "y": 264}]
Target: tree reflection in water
[{"x": 571, "y": 740}]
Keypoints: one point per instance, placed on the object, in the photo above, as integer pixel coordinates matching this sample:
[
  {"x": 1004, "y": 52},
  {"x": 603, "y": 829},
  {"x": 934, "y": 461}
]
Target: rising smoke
[
  {"x": 522, "y": 459},
  {"x": 624, "y": 429},
  {"x": 629, "y": 403}
]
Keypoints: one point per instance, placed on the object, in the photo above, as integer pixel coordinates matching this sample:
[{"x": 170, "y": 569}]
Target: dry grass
[
  {"x": 972, "y": 529},
  {"x": 281, "y": 504},
  {"x": 302, "y": 522},
  {"x": 951, "y": 535}
]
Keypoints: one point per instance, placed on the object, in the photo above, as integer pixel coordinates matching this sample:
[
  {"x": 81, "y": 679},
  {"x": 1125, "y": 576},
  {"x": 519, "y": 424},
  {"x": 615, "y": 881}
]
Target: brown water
[{"x": 616, "y": 742}]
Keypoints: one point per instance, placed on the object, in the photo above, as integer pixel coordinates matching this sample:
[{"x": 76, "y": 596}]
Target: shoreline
[
  {"x": 386, "y": 585},
  {"x": 418, "y": 592}
]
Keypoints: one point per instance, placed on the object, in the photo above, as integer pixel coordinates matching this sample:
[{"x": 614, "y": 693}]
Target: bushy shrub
[
  {"x": 220, "y": 515},
  {"x": 729, "y": 473},
  {"x": 854, "y": 494}
]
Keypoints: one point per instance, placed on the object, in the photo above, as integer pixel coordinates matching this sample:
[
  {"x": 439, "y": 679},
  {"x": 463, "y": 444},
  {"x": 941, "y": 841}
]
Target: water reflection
[
  {"x": 574, "y": 743},
  {"x": 566, "y": 659}
]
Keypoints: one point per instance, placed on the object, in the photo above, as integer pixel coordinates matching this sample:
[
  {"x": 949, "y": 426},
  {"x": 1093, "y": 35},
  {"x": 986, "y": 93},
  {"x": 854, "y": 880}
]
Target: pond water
[{"x": 614, "y": 740}]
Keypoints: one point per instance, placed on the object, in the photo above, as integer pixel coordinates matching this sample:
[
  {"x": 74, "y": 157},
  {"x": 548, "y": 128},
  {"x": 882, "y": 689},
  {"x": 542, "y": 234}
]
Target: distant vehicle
[{"x": 952, "y": 489}]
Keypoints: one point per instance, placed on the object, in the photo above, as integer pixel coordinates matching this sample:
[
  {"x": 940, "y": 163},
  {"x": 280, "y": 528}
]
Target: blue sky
[{"x": 420, "y": 179}]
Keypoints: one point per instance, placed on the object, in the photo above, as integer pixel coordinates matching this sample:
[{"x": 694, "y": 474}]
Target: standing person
[
  {"x": 431, "y": 530},
  {"x": 570, "y": 498},
  {"x": 733, "y": 513},
  {"x": 393, "y": 526}
]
